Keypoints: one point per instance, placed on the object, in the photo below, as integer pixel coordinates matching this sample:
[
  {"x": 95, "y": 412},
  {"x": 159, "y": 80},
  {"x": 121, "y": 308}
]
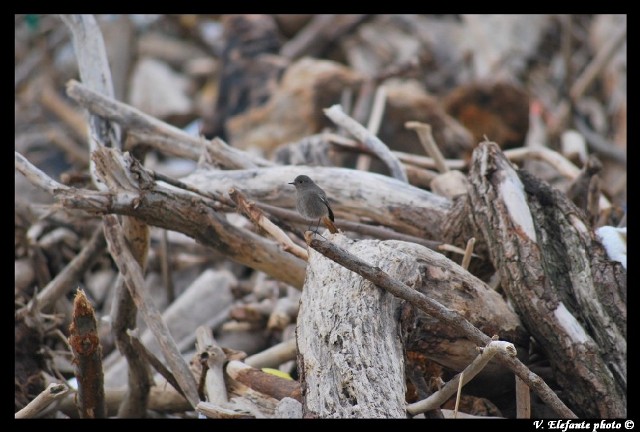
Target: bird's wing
[{"x": 326, "y": 202}]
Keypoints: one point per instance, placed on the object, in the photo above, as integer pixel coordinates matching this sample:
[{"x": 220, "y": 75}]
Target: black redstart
[{"x": 312, "y": 202}]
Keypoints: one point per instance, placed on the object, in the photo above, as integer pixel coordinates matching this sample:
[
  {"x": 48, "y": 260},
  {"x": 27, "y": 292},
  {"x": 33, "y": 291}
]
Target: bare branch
[
  {"x": 257, "y": 217},
  {"x": 372, "y": 142},
  {"x": 37, "y": 177},
  {"x": 441, "y": 396},
  {"x": 131, "y": 272},
  {"x": 48, "y": 396},
  {"x": 143, "y": 128},
  {"x": 437, "y": 310},
  {"x": 428, "y": 143},
  {"x": 274, "y": 356}
]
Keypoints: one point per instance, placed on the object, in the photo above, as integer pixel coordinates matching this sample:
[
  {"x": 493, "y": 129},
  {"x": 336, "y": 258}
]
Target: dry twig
[
  {"x": 372, "y": 142},
  {"x": 131, "y": 272},
  {"x": 142, "y": 128},
  {"x": 48, "y": 396},
  {"x": 257, "y": 217},
  {"x": 428, "y": 143},
  {"x": 274, "y": 356},
  {"x": 441, "y": 396}
]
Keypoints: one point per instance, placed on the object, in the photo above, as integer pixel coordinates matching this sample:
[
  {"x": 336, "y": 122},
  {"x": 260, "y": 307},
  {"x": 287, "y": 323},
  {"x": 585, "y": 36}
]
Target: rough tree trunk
[
  {"x": 571, "y": 298},
  {"x": 350, "y": 356},
  {"x": 351, "y": 334}
]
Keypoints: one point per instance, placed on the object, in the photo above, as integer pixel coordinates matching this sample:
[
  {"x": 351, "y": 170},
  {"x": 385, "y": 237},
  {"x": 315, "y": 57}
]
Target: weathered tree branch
[
  {"x": 369, "y": 140},
  {"x": 435, "y": 309},
  {"x": 257, "y": 217},
  {"x": 350, "y": 358},
  {"x": 174, "y": 210},
  {"x": 143, "y": 128},
  {"x": 48, "y": 396},
  {"x": 274, "y": 356},
  {"x": 131, "y": 272},
  {"x": 572, "y": 299},
  {"x": 372, "y": 196},
  {"x": 441, "y": 396},
  {"x": 96, "y": 73},
  {"x": 87, "y": 354}
]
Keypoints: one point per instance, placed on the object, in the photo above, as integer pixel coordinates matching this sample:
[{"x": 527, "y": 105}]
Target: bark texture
[
  {"x": 350, "y": 353},
  {"x": 351, "y": 334},
  {"x": 570, "y": 297}
]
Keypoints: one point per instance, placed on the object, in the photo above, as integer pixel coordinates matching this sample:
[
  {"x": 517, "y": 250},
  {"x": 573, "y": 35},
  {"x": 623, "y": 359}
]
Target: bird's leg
[{"x": 318, "y": 226}]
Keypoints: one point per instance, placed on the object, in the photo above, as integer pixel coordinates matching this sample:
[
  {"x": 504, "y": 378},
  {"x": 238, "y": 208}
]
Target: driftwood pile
[{"x": 479, "y": 187}]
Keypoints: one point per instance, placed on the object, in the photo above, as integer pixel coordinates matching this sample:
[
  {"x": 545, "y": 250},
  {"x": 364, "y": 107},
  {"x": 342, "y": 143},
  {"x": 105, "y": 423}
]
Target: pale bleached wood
[
  {"x": 257, "y": 217},
  {"x": 95, "y": 72},
  {"x": 407, "y": 158},
  {"x": 131, "y": 272},
  {"x": 53, "y": 392},
  {"x": 163, "y": 398},
  {"x": 90, "y": 52},
  {"x": 377, "y": 111},
  {"x": 173, "y": 141},
  {"x": 207, "y": 349},
  {"x": 37, "y": 177},
  {"x": 379, "y": 232},
  {"x": 384, "y": 200},
  {"x": 93, "y": 66},
  {"x": 564, "y": 167},
  {"x": 171, "y": 209},
  {"x": 350, "y": 356},
  {"x": 375, "y": 274},
  {"x": 555, "y": 273},
  {"x": 468, "y": 252},
  {"x": 215, "y": 411},
  {"x": 207, "y": 296},
  {"x": 444, "y": 281},
  {"x": 274, "y": 356},
  {"x": 143, "y": 128},
  {"x": 428, "y": 143},
  {"x": 284, "y": 313},
  {"x": 369, "y": 140},
  {"x": 450, "y": 184},
  {"x": 441, "y": 396}
]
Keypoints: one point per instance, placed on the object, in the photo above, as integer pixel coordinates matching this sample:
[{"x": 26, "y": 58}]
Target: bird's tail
[{"x": 329, "y": 224}]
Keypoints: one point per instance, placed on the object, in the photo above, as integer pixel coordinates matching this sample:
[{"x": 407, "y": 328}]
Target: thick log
[
  {"x": 349, "y": 330},
  {"x": 350, "y": 354},
  {"x": 570, "y": 297},
  {"x": 354, "y": 194}
]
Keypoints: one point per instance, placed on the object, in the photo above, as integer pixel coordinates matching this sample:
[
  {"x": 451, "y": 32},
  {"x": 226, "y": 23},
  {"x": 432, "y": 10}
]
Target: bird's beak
[{"x": 293, "y": 183}]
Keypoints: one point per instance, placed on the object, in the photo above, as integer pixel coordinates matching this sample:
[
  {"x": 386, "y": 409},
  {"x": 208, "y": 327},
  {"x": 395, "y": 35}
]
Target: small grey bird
[{"x": 312, "y": 202}]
